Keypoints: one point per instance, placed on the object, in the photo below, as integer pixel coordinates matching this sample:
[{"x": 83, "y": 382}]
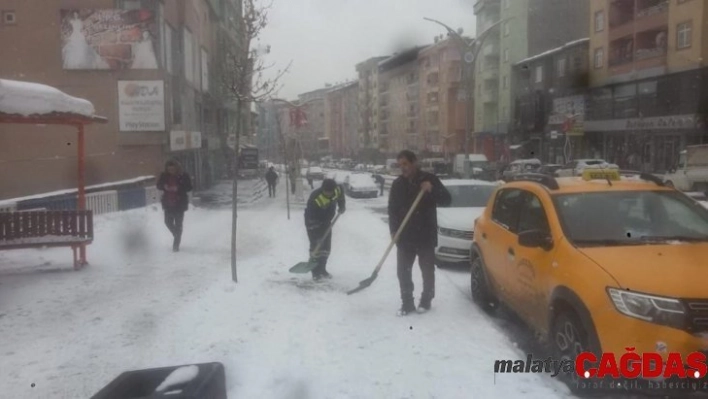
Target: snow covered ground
[{"x": 67, "y": 334}]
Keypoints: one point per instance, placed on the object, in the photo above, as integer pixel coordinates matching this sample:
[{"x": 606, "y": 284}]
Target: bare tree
[{"x": 244, "y": 83}]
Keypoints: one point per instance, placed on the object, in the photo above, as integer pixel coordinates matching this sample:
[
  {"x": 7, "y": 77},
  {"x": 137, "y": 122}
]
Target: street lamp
[{"x": 468, "y": 53}]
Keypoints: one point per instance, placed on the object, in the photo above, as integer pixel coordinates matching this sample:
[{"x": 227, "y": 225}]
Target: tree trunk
[{"x": 234, "y": 213}]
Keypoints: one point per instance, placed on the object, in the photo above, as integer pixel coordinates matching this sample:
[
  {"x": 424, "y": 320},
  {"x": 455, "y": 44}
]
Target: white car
[
  {"x": 576, "y": 168},
  {"x": 361, "y": 185},
  {"x": 456, "y": 222}
]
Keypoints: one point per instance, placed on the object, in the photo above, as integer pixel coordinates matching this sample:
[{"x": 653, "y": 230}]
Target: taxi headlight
[{"x": 653, "y": 309}]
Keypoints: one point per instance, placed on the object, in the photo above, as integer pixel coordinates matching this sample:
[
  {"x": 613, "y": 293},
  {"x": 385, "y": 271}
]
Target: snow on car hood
[
  {"x": 672, "y": 269},
  {"x": 458, "y": 218}
]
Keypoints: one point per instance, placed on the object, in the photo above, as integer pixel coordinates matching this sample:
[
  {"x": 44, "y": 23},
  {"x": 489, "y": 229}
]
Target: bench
[{"x": 39, "y": 229}]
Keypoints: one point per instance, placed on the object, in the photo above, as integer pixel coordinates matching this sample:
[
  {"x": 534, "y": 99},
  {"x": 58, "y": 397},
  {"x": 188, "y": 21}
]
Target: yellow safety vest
[{"x": 323, "y": 202}]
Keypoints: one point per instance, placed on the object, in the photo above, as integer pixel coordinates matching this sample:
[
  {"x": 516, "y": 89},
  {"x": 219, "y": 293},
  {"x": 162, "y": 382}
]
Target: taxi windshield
[{"x": 631, "y": 218}]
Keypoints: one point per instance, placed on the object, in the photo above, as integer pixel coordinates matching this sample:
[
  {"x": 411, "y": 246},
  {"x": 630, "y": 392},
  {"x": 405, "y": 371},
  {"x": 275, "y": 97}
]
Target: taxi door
[
  {"x": 498, "y": 236},
  {"x": 532, "y": 268}
]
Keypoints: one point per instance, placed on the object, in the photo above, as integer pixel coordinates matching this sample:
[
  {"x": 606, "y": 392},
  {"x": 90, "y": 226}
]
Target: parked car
[
  {"x": 361, "y": 185},
  {"x": 691, "y": 172},
  {"x": 549, "y": 169},
  {"x": 520, "y": 166},
  {"x": 469, "y": 198},
  {"x": 315, "y": 173},
  {"x": 576, "y": 168},
  {"x": 597, "y": 264}
]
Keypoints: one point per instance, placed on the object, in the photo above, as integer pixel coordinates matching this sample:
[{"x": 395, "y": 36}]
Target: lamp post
[{"x": 468, "y": 53}]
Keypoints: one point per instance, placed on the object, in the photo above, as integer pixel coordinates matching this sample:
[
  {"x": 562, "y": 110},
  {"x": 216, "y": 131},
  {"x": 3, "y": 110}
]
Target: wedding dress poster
[{"x": 108, "y": 39}]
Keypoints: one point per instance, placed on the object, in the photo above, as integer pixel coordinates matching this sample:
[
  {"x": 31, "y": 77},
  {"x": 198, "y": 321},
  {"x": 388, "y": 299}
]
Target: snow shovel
[
  {"x": 365, "y": 283},
  {"x": 306, "y": 267}
]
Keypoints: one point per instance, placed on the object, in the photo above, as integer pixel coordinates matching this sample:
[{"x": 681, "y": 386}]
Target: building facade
[
  {"x": 648, "y": 78},
  {"x": 312, "y": 135},
  {"x": 525, "y": 28},
  {"x": 368, "y": 76},
  {"x": 399, "y": 108},
  {"x": 146, "y": 66},
  {"x": 551, "y": 93},
  {"x": 443, "y": 106},
  {"x": 342, "y": 120}
]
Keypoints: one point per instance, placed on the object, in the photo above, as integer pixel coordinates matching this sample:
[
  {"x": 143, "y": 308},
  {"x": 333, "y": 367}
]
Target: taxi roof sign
[{"x": 601, "y": 174}]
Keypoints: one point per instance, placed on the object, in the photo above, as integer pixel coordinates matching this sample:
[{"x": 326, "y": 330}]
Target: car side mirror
[{"x": 535, "y": 239}]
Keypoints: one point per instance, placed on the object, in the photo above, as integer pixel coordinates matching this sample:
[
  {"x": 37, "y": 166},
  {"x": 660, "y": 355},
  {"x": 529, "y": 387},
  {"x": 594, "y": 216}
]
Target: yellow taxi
[{"x": 600, "y": 262}]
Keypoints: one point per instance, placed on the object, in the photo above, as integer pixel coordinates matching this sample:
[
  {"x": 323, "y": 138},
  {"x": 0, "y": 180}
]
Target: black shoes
[
  {"x": 406, "y": 309},
  {"x": 424, "y": 305}
]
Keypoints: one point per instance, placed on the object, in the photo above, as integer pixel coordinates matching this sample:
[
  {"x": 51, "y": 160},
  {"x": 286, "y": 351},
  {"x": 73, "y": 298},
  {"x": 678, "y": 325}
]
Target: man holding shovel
[
  {"x": 420, "y": 236},
  {"x": 318, "y": 216}
]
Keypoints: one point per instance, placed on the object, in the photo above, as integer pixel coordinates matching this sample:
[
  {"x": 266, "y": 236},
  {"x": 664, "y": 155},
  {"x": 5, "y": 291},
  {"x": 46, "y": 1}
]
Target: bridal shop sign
[
  {"x": 108, "y": 39},
  {"x": 141, "y": 105}
]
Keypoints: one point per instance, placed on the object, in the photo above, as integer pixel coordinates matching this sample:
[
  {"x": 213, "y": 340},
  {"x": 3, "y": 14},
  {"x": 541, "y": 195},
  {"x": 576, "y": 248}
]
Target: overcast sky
[{"x": 325, "y": 39}]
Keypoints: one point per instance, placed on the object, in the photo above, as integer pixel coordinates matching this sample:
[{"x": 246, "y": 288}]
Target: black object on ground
[{"x": 210, "y": 383}]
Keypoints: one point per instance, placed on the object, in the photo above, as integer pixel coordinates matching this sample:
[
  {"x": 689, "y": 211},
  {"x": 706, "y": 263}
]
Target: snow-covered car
[
  {"x": 576, "y": 168},
  {"x": 455, "y": 223},
  {"x": 361, "y": 185},
  {"x": 315, "y": 173},
  {"x": 520, "y": 166}
]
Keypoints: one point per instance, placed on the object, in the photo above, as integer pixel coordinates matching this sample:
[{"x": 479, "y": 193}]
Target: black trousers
[
  {"x": 323, "y": 254},
  {"x": 382, "y": 189},
  {"x": 426, "y": 261},
  {"x": 271, "y": 189},
  {"x": 174, "y": 220}
]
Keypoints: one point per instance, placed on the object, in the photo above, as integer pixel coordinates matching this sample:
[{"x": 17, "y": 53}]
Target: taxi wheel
[
  {"x": 669, "y": 184},
  {"x": 479, "y": 287},
  {"x": 568, "y": 339}
]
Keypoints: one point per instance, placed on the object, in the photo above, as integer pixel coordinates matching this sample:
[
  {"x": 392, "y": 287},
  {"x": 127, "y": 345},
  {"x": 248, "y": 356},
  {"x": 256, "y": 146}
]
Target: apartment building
[
  {"x": 160, "y": 50},
  {"x": 525, "y": 28},
  {"x": 648, "y": 80},
  {"x": 368, "y": 74},
  {"x": 443, "y": 106},
  {"x": 399, "y": 108},
  {"x": 342, "y": 120},
  {"x": 551, "y": 93},
  {"x": 312, "y": 135}
]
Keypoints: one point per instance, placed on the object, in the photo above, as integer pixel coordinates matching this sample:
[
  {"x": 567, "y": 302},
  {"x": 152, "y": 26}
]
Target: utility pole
[{"x": 468, "y": 54}]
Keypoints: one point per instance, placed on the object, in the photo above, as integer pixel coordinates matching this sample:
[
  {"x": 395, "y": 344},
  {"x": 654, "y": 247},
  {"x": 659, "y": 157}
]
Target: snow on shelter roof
[
  {"x": 34, "y": 99},
  {"x": 555, "y": 50}
]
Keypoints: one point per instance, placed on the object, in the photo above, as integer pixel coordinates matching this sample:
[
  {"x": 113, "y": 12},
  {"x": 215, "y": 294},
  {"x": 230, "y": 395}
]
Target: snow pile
[
  {"x": 24, "y": 98},
  {"x": 181, "y": 375}
]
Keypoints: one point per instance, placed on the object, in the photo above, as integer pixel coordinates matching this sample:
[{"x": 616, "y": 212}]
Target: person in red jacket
[{"x": 175, "y": 184}]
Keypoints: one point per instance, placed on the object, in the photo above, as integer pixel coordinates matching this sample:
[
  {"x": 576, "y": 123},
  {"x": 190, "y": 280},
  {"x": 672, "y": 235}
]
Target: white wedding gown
[
  {"x": 77, "y": 54},
  {"x": 144, "y": 57}
]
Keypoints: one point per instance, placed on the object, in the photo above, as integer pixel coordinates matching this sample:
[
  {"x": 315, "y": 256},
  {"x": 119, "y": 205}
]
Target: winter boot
[
  {"x": 424, "y": 305},
  {"x": 326, "y": 275},
  {"x": 175, "y": 243},
  {"x": 407, "y": 308}
]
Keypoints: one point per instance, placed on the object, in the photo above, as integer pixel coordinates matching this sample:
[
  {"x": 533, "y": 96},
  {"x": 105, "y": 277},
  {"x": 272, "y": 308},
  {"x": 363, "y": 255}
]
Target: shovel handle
[
  {"x": 394, "y": 240},
  {"x": 329, "y": 229}
]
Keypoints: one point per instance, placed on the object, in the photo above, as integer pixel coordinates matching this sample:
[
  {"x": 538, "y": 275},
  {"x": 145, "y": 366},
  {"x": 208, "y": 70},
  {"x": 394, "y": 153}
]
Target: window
[
  {"x": 188, "y": 56},
  {"x": 561, "y": 67},
  {"x": 507, "y": 207},
  {"x": 683, "y": 35},
  {"x": 505, "y": 82},
  {"x": 532, "y": 215},
  {"x": 169, "y": 34},
  {"x": 8, "y": 18},
  {"x": 506, "y": 28},
  {"x": 599, "y": 58},
  {"x": 599, "y": 21},
  {"x": 506, "y": 55},
  {"x": 539, "y": 74}
]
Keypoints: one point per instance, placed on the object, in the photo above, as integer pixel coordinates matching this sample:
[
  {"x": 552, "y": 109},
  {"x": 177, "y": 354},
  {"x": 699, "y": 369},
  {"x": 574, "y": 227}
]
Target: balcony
[
  {"x": 648, "y": 8},
  {"x": 621, "y": 51},
  {"x": 651, "y": 44}
]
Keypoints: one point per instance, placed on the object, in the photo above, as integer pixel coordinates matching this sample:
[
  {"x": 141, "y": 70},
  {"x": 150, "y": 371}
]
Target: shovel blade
[
  {"x": 363, "y": 284},
  {"x": 304, "y": 267}
]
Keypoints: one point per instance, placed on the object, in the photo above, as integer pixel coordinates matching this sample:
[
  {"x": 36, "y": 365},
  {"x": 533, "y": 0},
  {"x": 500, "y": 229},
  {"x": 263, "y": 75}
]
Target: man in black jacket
[
  {"x": 419, "y": 237},
  {"x": 271, "y": 177},
  {"x": 175, "y": 184},
  {"x": 380, "y": 181},
  {"x": 318, "y": 216}
]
